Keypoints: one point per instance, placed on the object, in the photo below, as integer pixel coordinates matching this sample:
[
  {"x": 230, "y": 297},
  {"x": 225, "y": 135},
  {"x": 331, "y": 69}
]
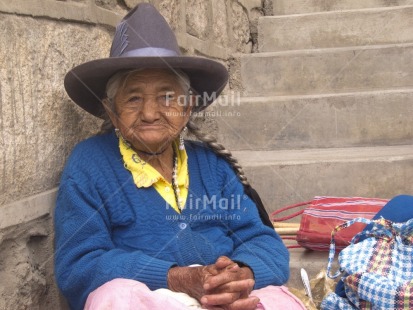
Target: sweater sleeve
[
  {"x": 85, "y": 256},
  {"x": 255, "y": 244}
]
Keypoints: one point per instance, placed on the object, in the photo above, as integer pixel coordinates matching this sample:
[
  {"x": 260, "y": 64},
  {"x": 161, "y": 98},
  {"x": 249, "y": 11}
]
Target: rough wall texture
[
  {"x": 40, "y": 40},
  {"x": 26, "y": 262},
  {"x": 39, "y": 124}
]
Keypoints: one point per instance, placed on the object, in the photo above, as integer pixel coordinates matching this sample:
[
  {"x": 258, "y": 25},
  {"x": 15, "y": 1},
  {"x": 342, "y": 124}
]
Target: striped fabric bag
[
  {"x": 320, "y": 216},
  {"x": 378, "y": 271}
]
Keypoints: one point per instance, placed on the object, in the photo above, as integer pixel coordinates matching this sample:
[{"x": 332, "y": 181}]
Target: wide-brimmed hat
[{"x": 143, "y": 39}]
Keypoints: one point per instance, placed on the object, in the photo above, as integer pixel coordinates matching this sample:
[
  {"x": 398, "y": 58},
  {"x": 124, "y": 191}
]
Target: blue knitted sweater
[{"x": 107, "y": 228}]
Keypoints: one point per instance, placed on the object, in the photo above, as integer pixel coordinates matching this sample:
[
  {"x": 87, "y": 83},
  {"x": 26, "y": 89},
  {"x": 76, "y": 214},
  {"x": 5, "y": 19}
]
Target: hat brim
[{"x": 86, "y": 83}]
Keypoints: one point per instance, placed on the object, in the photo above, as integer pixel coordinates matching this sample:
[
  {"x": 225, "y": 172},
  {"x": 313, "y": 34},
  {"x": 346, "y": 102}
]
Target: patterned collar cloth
[{"x": 144, "y": 175}]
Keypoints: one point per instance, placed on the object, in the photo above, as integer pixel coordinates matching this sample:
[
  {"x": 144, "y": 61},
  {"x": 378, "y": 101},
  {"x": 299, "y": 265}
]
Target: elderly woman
[{"x": 144, "y": 219}]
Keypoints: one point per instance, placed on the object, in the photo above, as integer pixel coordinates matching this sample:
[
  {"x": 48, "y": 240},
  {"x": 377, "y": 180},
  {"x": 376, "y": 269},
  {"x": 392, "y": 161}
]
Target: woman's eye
[
  {"x": 135, "y": 99},
  {"x": 167, "y": 98}
]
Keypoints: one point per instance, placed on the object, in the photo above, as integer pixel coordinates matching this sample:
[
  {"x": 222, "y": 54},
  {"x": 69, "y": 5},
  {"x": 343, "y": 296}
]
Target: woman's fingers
[
  {"x": 230, "y": 288},
  {"x": 219, "y": 299},
  {"x": 242, "y": 286},
  {"x": 231, "y": 274},
  {"x": 223, "y": 262},
  {"x": 224, "y": 277},
  {"x": 249, "y": 303},
  {"x": 228, "y": 293}
]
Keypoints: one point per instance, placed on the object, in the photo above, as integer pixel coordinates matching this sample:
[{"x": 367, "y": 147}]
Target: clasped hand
[{"x": 222, "y": 285}]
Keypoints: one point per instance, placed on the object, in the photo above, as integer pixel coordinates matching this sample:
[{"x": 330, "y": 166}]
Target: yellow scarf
[{"x": 144, "y": 175}]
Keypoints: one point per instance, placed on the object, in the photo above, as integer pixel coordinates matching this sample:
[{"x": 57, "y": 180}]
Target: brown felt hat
[{"x": 143, "y": 39}]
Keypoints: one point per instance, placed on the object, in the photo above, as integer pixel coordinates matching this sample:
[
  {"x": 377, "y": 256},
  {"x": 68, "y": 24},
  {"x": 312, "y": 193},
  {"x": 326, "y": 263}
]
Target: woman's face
[{"x": 151, "y": 109}]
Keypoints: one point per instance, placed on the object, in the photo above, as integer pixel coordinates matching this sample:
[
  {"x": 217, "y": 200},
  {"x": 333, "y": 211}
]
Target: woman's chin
[{"x": 151, "y": 145}]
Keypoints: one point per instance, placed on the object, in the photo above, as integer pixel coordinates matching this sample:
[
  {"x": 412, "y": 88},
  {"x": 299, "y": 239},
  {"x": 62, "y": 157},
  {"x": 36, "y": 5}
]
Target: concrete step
[
  {"x": 281, "y": 7},
  {"x": 329, "y": 70},
  {"x": 376, "y": 26},
  {"x": 312, "y": 261},
  {"x": 286, "y": 177},
  {"x": 317, "y": 121}
]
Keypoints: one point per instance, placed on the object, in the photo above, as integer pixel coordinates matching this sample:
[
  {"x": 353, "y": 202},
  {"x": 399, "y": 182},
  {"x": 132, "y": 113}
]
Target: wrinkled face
[{"x": 151, "y": 109}]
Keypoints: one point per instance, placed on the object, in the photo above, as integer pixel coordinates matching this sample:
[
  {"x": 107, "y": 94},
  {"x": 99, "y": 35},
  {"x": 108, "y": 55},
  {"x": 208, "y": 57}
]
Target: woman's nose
[{"x": 150, "y": 109}]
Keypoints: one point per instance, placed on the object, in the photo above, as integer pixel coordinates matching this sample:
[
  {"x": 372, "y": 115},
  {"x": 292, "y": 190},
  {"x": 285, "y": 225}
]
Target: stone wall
[{"x": 40, "y": 40}]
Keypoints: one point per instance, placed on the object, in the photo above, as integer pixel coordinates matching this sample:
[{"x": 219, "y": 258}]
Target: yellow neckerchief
[{"x": 144, "y": 175}]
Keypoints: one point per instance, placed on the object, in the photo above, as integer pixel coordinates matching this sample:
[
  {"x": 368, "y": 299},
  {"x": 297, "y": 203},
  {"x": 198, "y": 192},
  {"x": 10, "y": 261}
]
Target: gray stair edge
[
  {"x": 272, "y": 98},
  {"x": 328, "y": 50},
  {"x": 328, "y": 155},
  {"x": 376, "y": 5},
  {"x": 372, "y": 9}
]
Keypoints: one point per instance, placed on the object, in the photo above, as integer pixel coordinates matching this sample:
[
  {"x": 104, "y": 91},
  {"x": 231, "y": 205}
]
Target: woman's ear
[{"x": 110, "y": 110}]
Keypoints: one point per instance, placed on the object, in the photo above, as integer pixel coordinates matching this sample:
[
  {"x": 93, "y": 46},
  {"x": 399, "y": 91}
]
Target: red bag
[{"x": 323, "y": 214}]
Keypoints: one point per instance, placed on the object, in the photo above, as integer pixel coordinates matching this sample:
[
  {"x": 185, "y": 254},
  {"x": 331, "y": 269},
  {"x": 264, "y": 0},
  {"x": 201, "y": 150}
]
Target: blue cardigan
[{"x": 107, "y": 228}]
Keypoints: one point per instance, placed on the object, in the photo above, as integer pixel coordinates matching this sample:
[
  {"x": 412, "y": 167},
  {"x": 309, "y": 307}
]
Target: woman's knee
[
  {"x": 114, "y": 292},
  {"x": 277, "y": 297}
]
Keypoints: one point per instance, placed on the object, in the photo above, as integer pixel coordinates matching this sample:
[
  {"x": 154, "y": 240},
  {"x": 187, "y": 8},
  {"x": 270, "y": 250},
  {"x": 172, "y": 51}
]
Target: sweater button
[{"x": 182, "y": 225}]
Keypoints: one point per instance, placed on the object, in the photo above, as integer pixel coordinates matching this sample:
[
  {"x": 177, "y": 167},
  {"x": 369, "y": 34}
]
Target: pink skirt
[{"x": 125, "y": 294}]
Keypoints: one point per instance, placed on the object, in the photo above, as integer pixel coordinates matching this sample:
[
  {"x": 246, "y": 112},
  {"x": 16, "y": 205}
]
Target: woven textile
[
  {"x": 322, "y": 214},
  {"x": 378, "y": 271}
]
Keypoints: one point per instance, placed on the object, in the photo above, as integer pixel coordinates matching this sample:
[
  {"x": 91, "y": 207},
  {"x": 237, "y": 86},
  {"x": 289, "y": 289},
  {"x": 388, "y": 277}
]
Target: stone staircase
[{"x": 327, "y": 103}]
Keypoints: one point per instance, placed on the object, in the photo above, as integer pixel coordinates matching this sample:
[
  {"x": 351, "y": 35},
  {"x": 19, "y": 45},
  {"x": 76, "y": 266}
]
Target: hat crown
[
  {"x": 142, "y": 40},
  {"x": 144, "y": 32}
]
